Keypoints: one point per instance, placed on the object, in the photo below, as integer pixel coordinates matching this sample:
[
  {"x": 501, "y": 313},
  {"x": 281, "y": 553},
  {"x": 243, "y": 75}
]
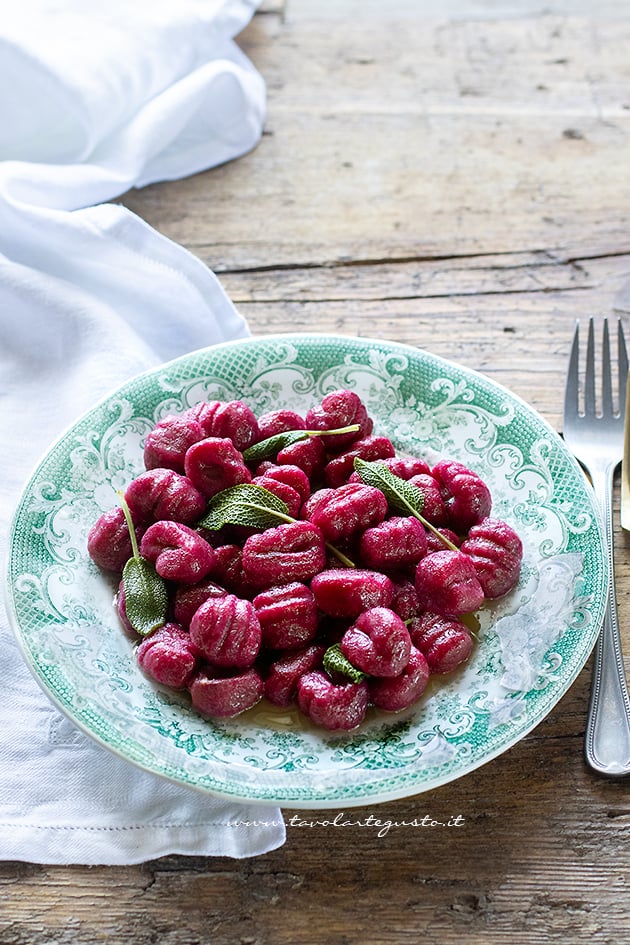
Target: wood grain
[
  {"x": 408, "y": 140},
  {"x": 459, "y": 184}
]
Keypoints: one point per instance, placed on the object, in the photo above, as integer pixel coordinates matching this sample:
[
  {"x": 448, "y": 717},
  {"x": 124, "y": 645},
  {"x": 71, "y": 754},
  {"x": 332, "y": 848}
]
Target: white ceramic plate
[{"x": 533, "y": 643}]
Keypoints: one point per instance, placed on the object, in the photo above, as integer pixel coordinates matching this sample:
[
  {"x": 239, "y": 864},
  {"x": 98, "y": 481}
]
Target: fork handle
[{"x": 607, "y": 744}]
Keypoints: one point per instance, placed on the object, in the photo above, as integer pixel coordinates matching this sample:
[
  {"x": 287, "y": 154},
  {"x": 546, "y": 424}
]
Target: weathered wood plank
[
  {"x": 504, "y": 275},
  {"x": 417, "y": 140},
  {"x": 448, "y": 9}
]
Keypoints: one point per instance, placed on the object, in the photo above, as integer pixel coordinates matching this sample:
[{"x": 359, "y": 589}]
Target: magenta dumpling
[
  {"x": 178, "y": 553},
  {"x": 121, "y": 610},
  {"x": 309, "y": 455},
  {"x": 333, "y": 706},
  {"x": 378, "y": 643},
  {"x": 433, "y": 507},
  {"x": 402, "y": 466},
  {"x": 340, "y": 408},
  {"x": 435, "y": 540},
  {"x": 371, "y": 448},
  {"x": 395, "y": 543},
  {"x": 109, "y": 541},
  {"x": 227, "y": 570},
  {"x": 292, "y": 475},
  {"x": 445, "y": 641},
  {"x": 283, "y": 491},
  {"x": 287, "y": 614},
  {"x": 164, "y": 494},
  {"x": 226, "y": 631},
  {"x": 405, "y": 601},
  {"x": 188, "y": 598},
  {"x": 166, "y": 445},
  {"x": 496, "y": 552},
  {"x": 466, "y": 496},
  {"x": 233, "y": 420},
  {"x": 347, "y": 592},
  {"x": 447, "y": 583},
  {"x": 279, "y": 421},
  {"x": 281, "y": 683},
  {"x": 168, "y": 656},
  {"x": 221, "y": 696},
  {"x": 286, "y": 553},
  {"x": 343, "y": 512},
  {"x": 214, "y": 464},
  {"x": 403, "y": 690}
]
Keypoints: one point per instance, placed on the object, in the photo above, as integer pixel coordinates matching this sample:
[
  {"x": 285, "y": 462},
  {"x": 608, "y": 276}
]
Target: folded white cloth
[{"x": 95, "y": 99}]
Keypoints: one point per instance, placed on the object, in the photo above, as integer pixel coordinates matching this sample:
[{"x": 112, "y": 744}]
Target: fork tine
[
  {"x": 622, "y": 360},
  {"x": 607, "y": 395},
  {"x": 589, "y": 376},
  {"x": 571, "y": 385}
]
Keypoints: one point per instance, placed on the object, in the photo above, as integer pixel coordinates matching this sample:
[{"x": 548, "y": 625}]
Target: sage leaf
[
  {"x": 334, "y": 661},
  {"x": 401, "y": 495},
  {"x": 245, "y": 504},
  {"x": 266, "y": 449},
  {"x": 146, "y": 597}
]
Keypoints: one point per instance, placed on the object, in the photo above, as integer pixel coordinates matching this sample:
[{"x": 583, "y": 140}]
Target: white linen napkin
[{"x": 95, "y": 99}]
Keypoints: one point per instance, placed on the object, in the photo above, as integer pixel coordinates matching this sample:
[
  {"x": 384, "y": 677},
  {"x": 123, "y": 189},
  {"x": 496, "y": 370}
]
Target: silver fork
[{"x": 596, "y": 440}]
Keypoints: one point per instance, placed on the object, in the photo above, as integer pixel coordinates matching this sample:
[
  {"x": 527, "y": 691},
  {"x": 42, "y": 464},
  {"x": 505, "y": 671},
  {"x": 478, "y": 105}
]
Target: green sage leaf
[
  {"x": 270, "y": 447},
  {"x": 146, "y": 597},
  {"x": 335, "y": 662},
  {"x": 245, "y": 504},
  {"x": 401, "y": 495}
]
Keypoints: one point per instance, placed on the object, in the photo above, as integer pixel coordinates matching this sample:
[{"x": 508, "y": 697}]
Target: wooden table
[{"x": 461, "y": 184}]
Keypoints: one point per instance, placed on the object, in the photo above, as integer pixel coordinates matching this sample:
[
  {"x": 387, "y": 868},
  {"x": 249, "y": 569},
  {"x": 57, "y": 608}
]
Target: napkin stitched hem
[{"x": 120, "y": 845}]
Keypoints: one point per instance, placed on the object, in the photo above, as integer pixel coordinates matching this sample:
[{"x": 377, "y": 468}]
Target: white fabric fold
[{"x": 94, "y": 100}]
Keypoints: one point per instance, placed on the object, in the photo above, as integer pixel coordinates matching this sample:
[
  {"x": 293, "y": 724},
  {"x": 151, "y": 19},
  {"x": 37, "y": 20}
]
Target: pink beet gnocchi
[
  {"x": 466, "y": 497},
  {"x": 283, "y": 677},
  {"x": 340, "y": 469},
  {"x": 445, "y": 641},
  {"x": 287, "y": 614},
  {"x": 393, "y": 544},
  {"x": 233, "y": 420},
  {"x": 225, "y": 696},
  {"x": 347, "y": 592},
  {"x": 338, "y": 409},
  {"x": 334, "y": 706},
  {"x": 169, "y": 656},
  {"x": 496, "y": 552},
  {"x": 378, "y": 643},
  {"x": 214, "y": 464},
  {"x": 346, "y": 603},
  {"x": 166, "y": 445},
  {"x": 178, "y": 552},
  {"x": 403, "y": 690},
  {"x": 344, "y": 512},
  {"x": 164, "y": 494},
  {"x": 447, "y": 583},
  {"x": 292, "y": 552},
  {"x": 226, "y": 631},
  {"x": 109, "y": 541}
]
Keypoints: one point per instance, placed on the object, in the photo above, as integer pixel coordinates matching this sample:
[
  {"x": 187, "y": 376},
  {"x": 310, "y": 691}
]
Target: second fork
[{"x": 596, "y": 439}]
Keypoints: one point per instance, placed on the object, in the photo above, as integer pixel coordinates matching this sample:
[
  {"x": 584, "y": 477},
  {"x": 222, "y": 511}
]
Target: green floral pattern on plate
[{"x": 532, "y": 644}]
